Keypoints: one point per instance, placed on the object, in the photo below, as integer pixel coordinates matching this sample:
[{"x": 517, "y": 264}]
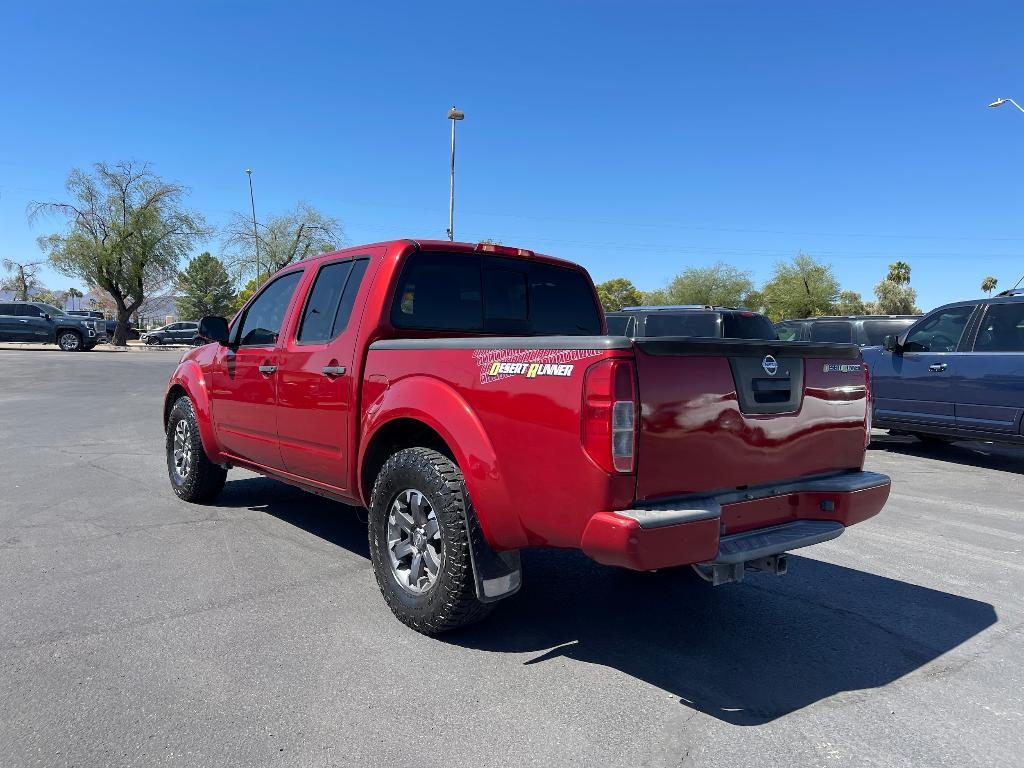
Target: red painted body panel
[
  {"x": 694, "y": 438},
  {"x": 518, "y": 438}
]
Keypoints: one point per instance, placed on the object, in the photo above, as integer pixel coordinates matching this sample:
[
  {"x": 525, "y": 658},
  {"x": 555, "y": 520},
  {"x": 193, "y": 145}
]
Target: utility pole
[
  {"x": 454, "y": 115},
  {"x": 255, "y": 235}
]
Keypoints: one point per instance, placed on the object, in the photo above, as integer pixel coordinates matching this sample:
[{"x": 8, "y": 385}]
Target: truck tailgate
[{"x": 721, "y": 414}]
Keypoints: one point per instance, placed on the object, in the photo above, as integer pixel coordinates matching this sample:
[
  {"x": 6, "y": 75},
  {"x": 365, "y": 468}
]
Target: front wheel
[
  {"x": 419, "y": 545},
  {"x": 69, "y": 341},
  {"x": 152, "y": 341},
  {"x": 193, "y": 476}
]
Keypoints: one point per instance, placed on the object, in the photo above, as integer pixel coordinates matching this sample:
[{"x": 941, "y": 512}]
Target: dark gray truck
[{"x": 39, "y": 323}]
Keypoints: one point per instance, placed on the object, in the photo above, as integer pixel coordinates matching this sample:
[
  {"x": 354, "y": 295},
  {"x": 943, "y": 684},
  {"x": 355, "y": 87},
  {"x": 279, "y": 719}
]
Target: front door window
[{"x": 940, "y": 331}]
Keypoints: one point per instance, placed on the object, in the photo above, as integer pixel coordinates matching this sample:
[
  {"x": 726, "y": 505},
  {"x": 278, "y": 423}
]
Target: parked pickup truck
[{"x": 468, "y": 398}]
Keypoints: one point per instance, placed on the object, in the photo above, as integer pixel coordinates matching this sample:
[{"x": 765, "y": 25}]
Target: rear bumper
[{"x": 736, "y": 526}]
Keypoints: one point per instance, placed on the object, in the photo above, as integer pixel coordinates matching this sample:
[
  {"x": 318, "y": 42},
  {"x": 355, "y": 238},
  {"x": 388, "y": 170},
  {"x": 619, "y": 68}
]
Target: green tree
[
  {"x": 850, "y": 303},
  {"x": 204, "y": 288},
  {"x": 22, "y": 278},
  {"x": 899, "y": 273},
  {"x": 296, "y": 235},
  {"x": 720, "y": 284},
  {"x": 989, "y": 284},
  {"x": 618, "y": 293},
  {"x": 754, "y": 300},
  {"x": 45, "y": 295},
  {"x": 655, "y": 298},
  {"x": 895, "y": 299},
  {"x": 801, "y": 288},
  {"x": 894, "y": 294},
  {"x": 127, "y": 231},
  {"x": 247, "y": 291}
]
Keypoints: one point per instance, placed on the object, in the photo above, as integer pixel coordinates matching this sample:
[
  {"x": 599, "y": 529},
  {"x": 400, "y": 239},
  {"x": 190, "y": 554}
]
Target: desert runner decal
[
  {"x": 841, "y": 368},
  {"x": 498, "y": 364}
]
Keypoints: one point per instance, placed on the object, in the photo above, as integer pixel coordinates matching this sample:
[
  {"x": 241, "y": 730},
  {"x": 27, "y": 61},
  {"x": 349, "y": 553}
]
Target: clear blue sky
[{"x": 636, "y": 138}]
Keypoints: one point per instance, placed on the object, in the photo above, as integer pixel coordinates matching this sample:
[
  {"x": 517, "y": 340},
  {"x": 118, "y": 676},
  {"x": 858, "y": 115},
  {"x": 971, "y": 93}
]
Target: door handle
[
  {"x": 23, "y": 321},
  {"x": 937, "y": 367},
  {"x": 266, "y": 370},
  {"x": 333, "y": 371}
]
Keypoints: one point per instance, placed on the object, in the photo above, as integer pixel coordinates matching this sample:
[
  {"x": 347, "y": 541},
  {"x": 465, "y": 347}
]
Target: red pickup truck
[{"x": 469, "y": 398}]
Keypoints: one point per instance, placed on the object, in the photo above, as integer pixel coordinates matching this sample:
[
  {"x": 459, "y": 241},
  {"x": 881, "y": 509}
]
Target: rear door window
[
  {"x": 322, "y": 305},
  {"x": 840, "y": 331},
  {"x": 1002, "y": 329},
  {"x": 702, "y": 324}
]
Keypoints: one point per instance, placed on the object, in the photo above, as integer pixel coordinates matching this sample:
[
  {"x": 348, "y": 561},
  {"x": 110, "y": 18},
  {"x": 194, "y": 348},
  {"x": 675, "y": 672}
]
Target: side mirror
[
  {"x": 214, "y": 329},
  {"x": 46, "y": 315},
  {"x": 891, "y": 343}
]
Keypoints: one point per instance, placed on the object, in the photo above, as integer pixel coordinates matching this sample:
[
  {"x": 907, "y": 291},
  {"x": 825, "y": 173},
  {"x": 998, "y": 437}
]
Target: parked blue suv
[{"x": 957, "y": 373}]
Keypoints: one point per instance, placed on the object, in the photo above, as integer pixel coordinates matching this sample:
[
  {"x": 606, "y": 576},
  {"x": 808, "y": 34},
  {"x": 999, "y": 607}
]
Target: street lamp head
[
  {"x": 249, "y": 171},
  {"x": 998, "y": 103},
  {"x": 454, "y": 114}
]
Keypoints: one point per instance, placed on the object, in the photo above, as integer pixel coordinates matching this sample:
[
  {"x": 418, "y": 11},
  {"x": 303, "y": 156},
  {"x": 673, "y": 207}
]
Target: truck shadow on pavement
[
  {"x": 997, "y": 456},
  {"x": 746, "y": 654}
]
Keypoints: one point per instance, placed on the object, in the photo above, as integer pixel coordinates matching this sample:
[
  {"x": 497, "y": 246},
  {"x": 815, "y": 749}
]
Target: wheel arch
[
  {"x": 188, "y": 381},
  {"x": 421, "y": 408}
]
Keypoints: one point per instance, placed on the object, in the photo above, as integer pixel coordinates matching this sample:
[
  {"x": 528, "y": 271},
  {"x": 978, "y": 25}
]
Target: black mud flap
[{"x": 497, "y": 574}]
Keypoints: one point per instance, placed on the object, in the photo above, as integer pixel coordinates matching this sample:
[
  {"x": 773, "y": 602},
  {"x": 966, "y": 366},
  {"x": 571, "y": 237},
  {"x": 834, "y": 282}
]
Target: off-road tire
[
  {"x": 451, "y": 602},
  {"x": 204, "y": 479},
  {"x": 69, "y": 341}
]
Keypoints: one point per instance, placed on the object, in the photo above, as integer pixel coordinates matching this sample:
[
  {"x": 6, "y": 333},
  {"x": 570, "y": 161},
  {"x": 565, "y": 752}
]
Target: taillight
[
  {"x": 610, "y": 415},
  {"x": 868, "y": 404}
]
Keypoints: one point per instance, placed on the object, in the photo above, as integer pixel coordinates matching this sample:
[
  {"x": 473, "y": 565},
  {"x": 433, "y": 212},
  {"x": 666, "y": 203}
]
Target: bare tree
[
  {"x": 296, "y": 235},
  {"x": 127, "y": 231},
  {"x": 22, "y": 278}
]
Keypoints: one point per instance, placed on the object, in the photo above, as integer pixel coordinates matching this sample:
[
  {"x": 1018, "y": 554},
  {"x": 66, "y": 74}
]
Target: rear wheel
[
  {"x": 193, "y": 476},
  {"x": 418, "y": 542},
  {"x": 69, "y": 341}
]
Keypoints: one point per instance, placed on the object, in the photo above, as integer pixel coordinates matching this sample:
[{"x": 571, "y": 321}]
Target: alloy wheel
[
  {"x": 414, "y": 541},
  {"x": 182, "y": 449}
]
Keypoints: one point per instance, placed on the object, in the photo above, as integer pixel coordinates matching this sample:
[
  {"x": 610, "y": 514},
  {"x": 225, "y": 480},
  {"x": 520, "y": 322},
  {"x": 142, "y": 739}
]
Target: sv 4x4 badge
[{"x": 841, "y": 368}]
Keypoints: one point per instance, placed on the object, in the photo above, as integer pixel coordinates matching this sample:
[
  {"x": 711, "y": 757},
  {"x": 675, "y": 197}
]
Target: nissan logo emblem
[{"x": 770, "y": 365}]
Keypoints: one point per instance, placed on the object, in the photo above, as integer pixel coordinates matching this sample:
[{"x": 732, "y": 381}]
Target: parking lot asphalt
[{"x": 138, "y": 630}]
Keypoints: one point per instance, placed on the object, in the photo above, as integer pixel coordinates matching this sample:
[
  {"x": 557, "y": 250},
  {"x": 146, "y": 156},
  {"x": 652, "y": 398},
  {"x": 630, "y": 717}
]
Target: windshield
[{"x": 51, "y": 310}]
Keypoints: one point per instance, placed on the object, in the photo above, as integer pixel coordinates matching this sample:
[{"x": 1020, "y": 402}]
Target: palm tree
[
  {"x": 74, "y": 293},
  {"x": 899, "y": 273},
  {"x": 989, "y": 284}
]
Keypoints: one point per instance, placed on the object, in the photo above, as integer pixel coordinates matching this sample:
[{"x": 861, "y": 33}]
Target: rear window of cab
[{"x": 491, "y": 294}]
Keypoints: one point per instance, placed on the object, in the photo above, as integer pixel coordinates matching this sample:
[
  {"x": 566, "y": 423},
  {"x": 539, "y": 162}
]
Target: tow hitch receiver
[{"x": 717, "y": 574}]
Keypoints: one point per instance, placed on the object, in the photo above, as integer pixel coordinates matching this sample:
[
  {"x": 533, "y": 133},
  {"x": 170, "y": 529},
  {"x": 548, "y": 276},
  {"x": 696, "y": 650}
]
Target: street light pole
[
  {"x": 453, "y": 115},
  {"x": 1000, "y": 102},
  {"x": 255, "y": 235}
]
